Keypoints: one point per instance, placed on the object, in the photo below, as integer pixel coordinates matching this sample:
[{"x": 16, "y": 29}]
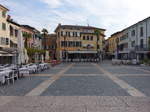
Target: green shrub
[{"x": 145, "y": 61}]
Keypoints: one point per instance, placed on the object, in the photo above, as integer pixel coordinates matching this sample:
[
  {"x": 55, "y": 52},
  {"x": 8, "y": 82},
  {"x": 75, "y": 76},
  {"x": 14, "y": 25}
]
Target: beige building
[
  {"x": 14, "y": 30},
  {"x": 4, "y": 28},
  {"x": 10, "y": 32},
  {"x": 113, "y": 43},
  {"x": 5, "y": 56},
  {"x": 79, "y": 42}
]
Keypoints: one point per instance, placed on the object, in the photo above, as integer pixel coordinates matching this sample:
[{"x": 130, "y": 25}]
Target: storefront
[
  {"x": 8, "y": 56},
  {"x": 82, "y": 55}
]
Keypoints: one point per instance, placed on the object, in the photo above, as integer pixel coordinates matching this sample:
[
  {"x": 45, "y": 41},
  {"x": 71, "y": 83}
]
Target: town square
[{"x": 66, "y": 63}]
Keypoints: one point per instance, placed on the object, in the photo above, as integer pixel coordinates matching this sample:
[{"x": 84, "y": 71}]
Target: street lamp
[
  {"x": 65, "y": 45},
  {"x": 117, "y": 50}
]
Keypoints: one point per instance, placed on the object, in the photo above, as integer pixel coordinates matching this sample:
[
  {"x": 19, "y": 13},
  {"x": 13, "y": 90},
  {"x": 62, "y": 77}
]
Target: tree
[
  {"x": 97, "y": 33},
  {"x": 32, "y": 51},
  {"x": 44, "y": 34}
]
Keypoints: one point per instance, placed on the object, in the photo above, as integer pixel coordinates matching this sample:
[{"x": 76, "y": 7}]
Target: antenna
[{"x": 87, "y": 22}]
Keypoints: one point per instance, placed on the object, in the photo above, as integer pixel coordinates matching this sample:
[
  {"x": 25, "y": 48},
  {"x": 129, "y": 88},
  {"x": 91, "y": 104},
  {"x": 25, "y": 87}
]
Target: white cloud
[
  {"x": 52, "y": 3},
  {"x": 112, "y": 15}
]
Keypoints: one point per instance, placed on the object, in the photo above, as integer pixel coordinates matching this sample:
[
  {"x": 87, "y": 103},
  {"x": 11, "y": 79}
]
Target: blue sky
[{"x": 113, "y": 15}]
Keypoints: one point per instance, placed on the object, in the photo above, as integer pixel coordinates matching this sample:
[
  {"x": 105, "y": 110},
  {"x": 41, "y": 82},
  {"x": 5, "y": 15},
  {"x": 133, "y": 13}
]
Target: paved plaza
[{"x": 80, "y": 87}]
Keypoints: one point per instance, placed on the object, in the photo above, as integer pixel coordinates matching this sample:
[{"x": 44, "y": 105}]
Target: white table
[
  {"x": 3, "y": 74},
  {"x": 24, "y": 71}
]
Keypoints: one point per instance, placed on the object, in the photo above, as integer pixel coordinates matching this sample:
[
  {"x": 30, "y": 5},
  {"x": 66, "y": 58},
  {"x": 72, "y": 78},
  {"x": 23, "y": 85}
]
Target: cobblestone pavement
[{"x": 80, "y": 87}]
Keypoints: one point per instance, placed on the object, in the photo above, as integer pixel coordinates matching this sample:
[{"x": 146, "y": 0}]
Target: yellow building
[
  {"x": 4, "y": 28},
  {"x": 113, "y": 43},
  {"x": 79, "y": 42}
]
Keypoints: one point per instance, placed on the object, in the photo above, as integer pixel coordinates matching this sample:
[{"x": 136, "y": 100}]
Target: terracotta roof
[
  {"x": 78, "y": 27},
  {"x": 4, "y": 7},
  {"x": 30, "y": 28},
  {"x": 13, "y": 22},
  {"x": 116, "y": 33}
]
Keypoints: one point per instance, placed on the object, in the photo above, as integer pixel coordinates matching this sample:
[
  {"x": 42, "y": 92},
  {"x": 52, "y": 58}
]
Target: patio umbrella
[
  {"x": 26, "y": 56},
  {"x": 21, "y": 57}
]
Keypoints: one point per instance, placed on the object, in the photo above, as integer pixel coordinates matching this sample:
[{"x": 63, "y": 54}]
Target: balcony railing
[
  {"x": 136, "y": 48},
  {"x": 142, "y": 48}
]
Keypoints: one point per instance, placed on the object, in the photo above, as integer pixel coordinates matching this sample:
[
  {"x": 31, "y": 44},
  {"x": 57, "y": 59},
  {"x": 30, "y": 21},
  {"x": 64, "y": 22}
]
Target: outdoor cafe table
[
  {"x": 3, "y": 74},
  {"x": 43, "y": 65}
]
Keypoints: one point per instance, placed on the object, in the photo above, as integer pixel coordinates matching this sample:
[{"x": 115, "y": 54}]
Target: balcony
[
  {"x": 142, "y": 48},
  {"x": 124, "y": 50}
]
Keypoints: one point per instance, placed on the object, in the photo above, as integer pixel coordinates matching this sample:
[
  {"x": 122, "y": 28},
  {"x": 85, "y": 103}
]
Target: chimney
[
  {"x": 59, "y": 24},
  {"x": 8, "y": 17}
]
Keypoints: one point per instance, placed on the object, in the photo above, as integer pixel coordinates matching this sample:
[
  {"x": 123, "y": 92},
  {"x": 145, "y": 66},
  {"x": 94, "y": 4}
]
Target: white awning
[
  {"x": 3, "y": 53},
  {"x": 6, "y": 55},
  {"x": 71, "y": 52}
]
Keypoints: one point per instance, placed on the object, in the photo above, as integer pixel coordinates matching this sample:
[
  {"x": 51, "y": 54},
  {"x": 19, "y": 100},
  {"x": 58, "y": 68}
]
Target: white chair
[
  {"x": 2, "y": 78},
  {"x": 15, "y": 73},
  {"x": 24, "y": 72},
  {"x": 10, "y": 77}
]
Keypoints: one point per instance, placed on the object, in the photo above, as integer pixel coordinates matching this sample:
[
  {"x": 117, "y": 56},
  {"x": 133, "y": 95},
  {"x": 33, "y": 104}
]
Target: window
[
  {"x": 16, "y": 33},
  {"x": 98, "y": 47},
  {"x": 77, "y": 44},
  {"x": 127, "y": 35},
  {"x": 66, "y": 33},
  {"x": 141, "y": 43},
  {"x": 4, "y": 14},
  {"x": 83, "y": 37},
  {"x": 3, "y": 26},
  {"x": 65, "y": 43},
  {"x": 91, "y": 37},
  {"x": 11, "y": 31},
  {"x": 4, "y": 41},
  {"x": 133, "y": 43},
  {"x": 74, "y": 44},
  {"x": 69, "y": 44},
  {"x": 141, "y": 31},
  {"x": 61, "y": 33},
  {"x": 58, "y": 34},
  {"x": 133, "y": 33},
  {"x": 87, "y": 37},
  {"x": 76, "y": 34},
  {"x": 62, "y": 43},
  {"x": 7, "y": 41},
  {"x": 69, "y": 34},
  {"x": 73, "y": 34}
]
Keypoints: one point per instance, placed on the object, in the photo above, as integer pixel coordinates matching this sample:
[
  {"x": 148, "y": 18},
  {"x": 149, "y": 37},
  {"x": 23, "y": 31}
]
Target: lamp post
[
  {"x": 117, "y": 50},
  {"x": 65, "y": 45},
  {"x": 97, "y": 33}
]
